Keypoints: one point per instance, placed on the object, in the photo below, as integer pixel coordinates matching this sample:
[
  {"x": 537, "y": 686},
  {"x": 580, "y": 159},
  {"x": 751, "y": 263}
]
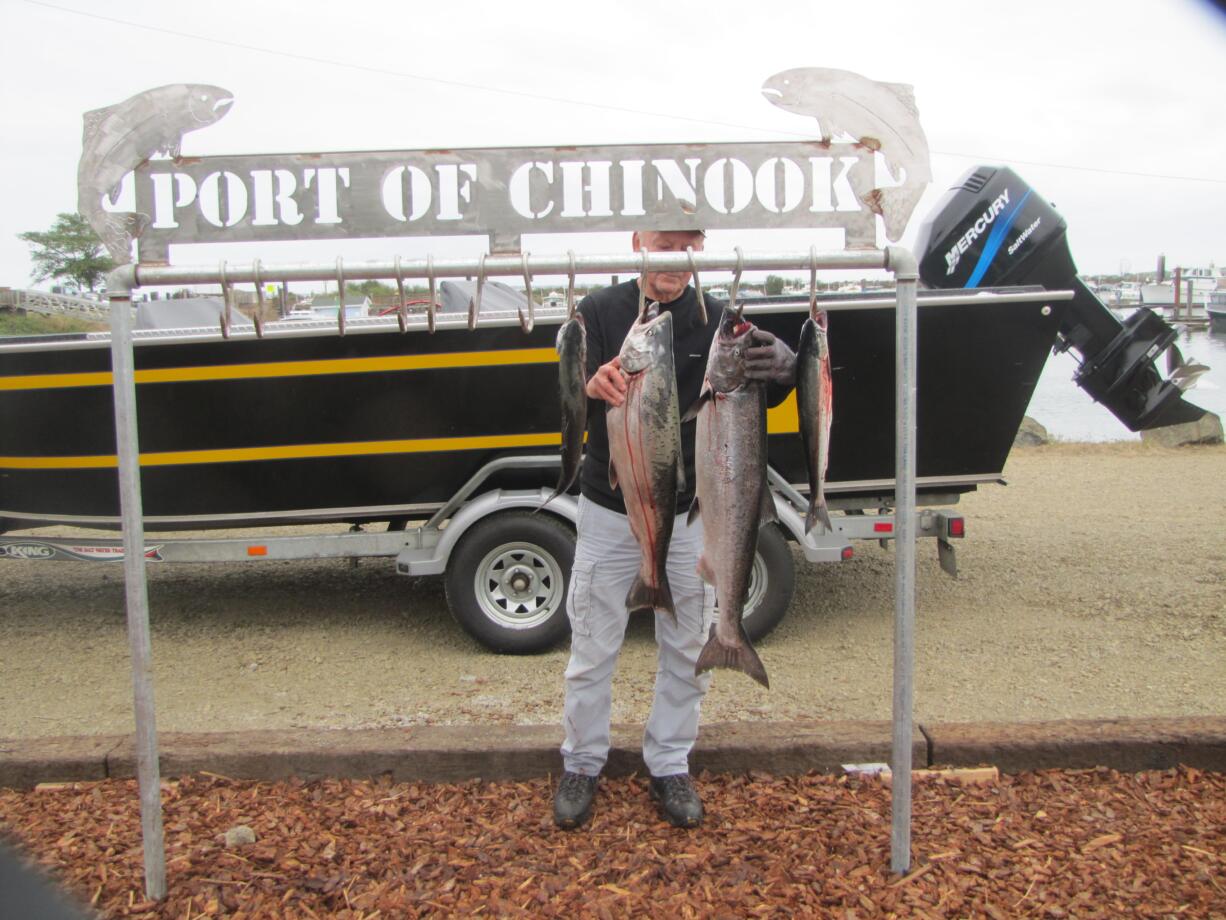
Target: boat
[
  {"x": 1160, "y": 294},
  {"x": 1215, "y": 308},
  {"x": 1128, "y": 293},
  {"x": 305, "y": 425}
]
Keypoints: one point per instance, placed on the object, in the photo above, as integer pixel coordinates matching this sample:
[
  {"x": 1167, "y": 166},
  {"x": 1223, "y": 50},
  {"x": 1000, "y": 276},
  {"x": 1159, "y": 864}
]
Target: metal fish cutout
[
  {"x": 120, "y": 137},
  {"x": 880, "y": 116}
]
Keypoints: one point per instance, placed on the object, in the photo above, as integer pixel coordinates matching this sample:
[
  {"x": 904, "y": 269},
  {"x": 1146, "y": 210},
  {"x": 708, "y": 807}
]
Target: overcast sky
[{"x": 1115, "y": 112}]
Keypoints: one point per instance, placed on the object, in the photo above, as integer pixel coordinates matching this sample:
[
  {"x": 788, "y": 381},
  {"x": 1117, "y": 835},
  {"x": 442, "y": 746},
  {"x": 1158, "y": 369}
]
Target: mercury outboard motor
[{"x": 993, "y": 230}]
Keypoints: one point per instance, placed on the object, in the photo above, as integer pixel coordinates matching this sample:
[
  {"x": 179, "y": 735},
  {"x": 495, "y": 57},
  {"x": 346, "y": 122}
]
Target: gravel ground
[{"x": 1090, "y": 586}]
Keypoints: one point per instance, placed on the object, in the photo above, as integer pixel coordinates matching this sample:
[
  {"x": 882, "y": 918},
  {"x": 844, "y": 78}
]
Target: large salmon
[
  {"x": 645, "y": 452},
  {"x": 572, "y": 387},
  {"x": 815, "y": 406},
  {"x": 732, "y": 496}
]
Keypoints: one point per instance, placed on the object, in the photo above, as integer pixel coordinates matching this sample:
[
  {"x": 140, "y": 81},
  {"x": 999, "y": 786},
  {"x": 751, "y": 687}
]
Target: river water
[{"x": 1068, "y": 413}]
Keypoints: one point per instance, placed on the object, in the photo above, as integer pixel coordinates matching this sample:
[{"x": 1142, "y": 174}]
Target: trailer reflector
[
  {"x": 956, "y": 527},
  {"x": 848, "y": 552},
  {"x": 883, "y": 527},
  {"x": 257, "y": 550}
]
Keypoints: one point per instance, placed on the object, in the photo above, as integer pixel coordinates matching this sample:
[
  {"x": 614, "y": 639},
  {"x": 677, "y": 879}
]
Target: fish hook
[
  {"x": 474, "y": 302},
  {"x": 430, "y": 307},
  {"x": 402, "y": 310},
  {"x": 643, "y": 283},
  {"x": 570, "y": 286},
  {"x": 736, "y": 284},
  {"x": 702, "y": 303},
  {"x": 225, "y": 299},
  {"x": 813, "y": 282},
  {"x": 526, "y": 323},
  {"x": 257, "y": 276},
  {"x": 340, "y": 294}
]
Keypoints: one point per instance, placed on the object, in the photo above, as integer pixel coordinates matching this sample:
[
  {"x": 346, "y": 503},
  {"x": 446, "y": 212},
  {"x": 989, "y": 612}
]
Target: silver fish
[
  {"x": 120, "y": 137},
  {"x": 572, "y": 386},
  {"x": 815, "y": 406},
  {"x": 881, "y": 116},
  {"x": 645, "y": 452},
  {"x": 732, "y": 496}
]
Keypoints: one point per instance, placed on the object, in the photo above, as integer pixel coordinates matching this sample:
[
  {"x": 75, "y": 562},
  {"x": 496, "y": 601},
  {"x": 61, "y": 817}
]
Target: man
[{"x": 607, "y": 556}]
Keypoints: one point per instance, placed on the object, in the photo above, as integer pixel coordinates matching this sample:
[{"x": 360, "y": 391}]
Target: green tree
[
  {"x": 71, "y": 250},
  {"x": 373, "y": 289},
  {"x": 774, "y": 285}
]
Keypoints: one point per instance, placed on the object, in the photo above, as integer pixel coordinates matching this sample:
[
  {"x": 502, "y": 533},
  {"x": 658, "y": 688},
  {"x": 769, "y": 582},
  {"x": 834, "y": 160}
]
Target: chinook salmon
[
  {"x": 732, "y": 496},
  {"x": 815, "y": 406},
  {"x": 572, "y": 387},
  {"x": 645, "y": 452}
]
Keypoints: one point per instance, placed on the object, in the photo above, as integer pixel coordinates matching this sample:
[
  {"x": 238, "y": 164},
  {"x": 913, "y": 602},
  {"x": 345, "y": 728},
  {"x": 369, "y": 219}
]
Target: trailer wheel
[
  {"x": 771, "y": 584},
  {"x": 506, "y": 582}
]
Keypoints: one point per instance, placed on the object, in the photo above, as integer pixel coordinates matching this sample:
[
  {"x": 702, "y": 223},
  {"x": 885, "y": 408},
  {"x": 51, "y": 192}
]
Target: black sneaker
[
  {"x": 572, "y": 803},
  {"x": 678, "y": 798}
]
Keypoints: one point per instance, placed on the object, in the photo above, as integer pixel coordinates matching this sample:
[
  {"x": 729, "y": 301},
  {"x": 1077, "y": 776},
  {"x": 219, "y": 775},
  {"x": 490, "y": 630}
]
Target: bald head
[{"x": 667, "y": 286}]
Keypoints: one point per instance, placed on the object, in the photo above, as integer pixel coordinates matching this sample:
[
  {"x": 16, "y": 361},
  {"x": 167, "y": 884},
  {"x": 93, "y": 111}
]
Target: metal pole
[
  {"x": 494, "y": 266},
  {"x": 903, "y": 264},
  {"x": 119, "y": 286}
]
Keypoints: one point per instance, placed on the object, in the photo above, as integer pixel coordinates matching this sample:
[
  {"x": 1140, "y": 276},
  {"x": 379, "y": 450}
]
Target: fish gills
[
  {"x": 572, "y": 387},
  {"x": 815, "y": 407},
  {"x": 645, "y": 455}
]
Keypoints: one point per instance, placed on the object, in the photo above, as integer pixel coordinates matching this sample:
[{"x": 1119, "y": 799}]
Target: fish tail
[
  {"x": 643, "y": 596},
  {"x": 556, "y": 492},
  {"x": 740, "y": 657},
  {"x": 565, "y": 481},
  {"x": 818, "y": 512}
]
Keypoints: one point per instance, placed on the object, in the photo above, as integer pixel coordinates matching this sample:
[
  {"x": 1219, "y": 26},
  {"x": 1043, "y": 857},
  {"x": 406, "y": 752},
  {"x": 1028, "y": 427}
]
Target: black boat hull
[{"x": 378, "y": 425}]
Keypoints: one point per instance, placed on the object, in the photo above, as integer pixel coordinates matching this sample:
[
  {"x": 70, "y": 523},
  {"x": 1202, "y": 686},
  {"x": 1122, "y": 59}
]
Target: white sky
[{"x": 1115, "y": 112}]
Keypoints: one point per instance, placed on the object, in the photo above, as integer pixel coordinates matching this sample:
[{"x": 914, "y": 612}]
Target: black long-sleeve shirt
[{"x": 608, "y": 315}]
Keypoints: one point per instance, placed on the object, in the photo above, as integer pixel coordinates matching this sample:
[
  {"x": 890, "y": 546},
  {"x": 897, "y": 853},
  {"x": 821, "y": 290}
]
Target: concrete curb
[{"x": 452, "y": 753}]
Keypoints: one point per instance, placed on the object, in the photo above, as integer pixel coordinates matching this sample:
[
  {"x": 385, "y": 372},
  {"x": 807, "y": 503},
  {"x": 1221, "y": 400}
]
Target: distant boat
[
  {"x": 1162, "y": 294},
  {"x": 1129, "y": 292},
  {"x": 1216, "y": 309}
]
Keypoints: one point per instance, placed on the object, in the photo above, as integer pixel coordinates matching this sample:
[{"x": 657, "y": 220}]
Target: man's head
[{"x": 667, "y": 286}]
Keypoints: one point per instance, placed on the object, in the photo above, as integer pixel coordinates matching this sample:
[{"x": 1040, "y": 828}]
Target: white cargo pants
[{"x": 607, "y": 557}]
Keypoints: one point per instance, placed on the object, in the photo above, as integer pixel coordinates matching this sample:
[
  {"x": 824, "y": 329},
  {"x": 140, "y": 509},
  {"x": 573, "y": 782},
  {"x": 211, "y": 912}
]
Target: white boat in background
[
  {"x": 1162, "y": 294},
  {"x": 1216, "y": 310},
  {"x": 1129, "y": 292}
]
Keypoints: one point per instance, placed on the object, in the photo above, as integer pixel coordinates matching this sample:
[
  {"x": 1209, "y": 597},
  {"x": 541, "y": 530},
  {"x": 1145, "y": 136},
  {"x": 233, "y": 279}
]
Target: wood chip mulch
[{"x": 1092, "y": 843}]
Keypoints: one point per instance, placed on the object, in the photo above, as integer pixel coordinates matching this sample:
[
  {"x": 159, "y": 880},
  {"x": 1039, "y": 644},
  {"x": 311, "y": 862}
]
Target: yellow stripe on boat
[
  {"x": 457, "y": 359},
  {"x": 290, "y": 452}
]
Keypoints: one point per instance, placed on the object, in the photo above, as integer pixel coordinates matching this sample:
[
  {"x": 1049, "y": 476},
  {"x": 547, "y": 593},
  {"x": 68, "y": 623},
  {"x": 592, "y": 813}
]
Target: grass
[{"x": 12, "y": 323}]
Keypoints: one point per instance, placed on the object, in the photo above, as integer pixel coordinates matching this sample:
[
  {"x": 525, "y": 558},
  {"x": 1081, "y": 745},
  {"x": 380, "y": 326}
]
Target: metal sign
[
  {"x": 508, "y": 191},
  {"x": 505, "y": 192}
]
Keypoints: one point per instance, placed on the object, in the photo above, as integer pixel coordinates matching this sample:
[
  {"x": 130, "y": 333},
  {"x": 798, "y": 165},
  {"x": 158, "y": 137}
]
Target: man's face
[{"x": 666, "y": 286}]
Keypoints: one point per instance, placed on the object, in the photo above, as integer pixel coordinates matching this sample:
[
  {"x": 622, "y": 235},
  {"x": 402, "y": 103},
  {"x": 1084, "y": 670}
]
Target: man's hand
[
  {"x": 609, "y": 384},
  {"x": 770, "y": 360}
]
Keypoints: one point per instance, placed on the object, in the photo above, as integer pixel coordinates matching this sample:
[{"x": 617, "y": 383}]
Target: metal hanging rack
[{"x": 898, "y": 261}]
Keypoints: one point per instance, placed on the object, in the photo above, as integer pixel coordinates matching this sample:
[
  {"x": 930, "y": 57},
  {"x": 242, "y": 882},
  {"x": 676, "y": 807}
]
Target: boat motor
[{"x": 994, "y": 230}]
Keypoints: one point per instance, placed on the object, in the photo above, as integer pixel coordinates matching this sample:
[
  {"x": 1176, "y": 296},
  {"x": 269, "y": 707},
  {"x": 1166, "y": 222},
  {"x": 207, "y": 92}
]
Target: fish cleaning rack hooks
[
  {"x": 121, "y": 282},
  {"x": 126, "y": 278}
]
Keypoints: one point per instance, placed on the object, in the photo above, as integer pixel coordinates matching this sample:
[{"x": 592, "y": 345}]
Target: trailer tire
[
  {"x": 506, "y": 582},
  {"x": 771, "y": 584}
]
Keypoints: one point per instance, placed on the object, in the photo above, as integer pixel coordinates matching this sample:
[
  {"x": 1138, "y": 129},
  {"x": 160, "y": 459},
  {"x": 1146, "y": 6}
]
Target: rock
[
  {"x": 1205, "y": 430},
  {"x": 1030, "y": 434},
  {"x": 239, "y": 835}
]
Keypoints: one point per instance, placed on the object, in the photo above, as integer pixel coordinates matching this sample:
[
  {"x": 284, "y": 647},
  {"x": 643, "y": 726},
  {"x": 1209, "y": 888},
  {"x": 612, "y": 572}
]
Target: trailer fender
[
  {"x": 817, "y": 546},
  {"x": 432, "y": 560}
]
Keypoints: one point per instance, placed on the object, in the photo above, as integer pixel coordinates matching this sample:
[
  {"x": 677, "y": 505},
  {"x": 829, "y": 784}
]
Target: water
[{"x": 1068, "y": 413}]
